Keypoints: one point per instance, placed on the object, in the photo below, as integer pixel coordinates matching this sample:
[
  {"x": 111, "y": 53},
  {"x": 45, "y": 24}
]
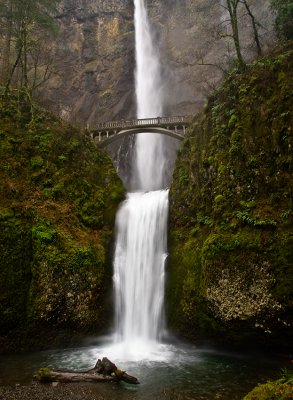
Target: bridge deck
[
  {"x": 107, "y": 132},
  {"x": 143, "y": 123}
]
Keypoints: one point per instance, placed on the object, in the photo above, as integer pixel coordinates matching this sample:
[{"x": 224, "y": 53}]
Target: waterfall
[
  {"x": 139, "y": 265},
  {"x": 149, "y": 157},
  {"x": 141, "y": 223}
]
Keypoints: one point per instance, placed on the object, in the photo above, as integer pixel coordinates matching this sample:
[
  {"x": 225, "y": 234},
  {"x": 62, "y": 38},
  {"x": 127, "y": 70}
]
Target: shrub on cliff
[{"x": 284, "y": 17}]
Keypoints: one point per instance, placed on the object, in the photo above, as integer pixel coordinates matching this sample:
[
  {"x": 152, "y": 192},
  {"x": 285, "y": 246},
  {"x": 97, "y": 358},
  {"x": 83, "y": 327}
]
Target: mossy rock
[
  {"x": 59, "y": 196},
  {"x": 43, "y": 375},
  {"x": 231, "y": 213},
  {"x": 271, "y": 391}
]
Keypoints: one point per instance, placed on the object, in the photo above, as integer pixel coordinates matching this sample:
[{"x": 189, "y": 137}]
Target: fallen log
[{"x": 104, "y": 371}]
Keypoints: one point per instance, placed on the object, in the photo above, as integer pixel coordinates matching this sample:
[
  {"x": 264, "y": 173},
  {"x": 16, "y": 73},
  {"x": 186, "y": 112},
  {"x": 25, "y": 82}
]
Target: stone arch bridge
[{"x": 108, "y": 132}]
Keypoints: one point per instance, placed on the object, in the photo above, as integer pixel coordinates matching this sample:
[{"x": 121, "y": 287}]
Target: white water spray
[
  {"x": 139, "y": 265},
  {"x": 150, "y": 159},
  {"x": 142, "y": 220}
]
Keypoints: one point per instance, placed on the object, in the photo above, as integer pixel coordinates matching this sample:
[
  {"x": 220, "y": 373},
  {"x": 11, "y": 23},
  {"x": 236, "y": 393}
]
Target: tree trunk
[
  {"x": 254, "y": 27},
  {"x": 104, "y": 371},
  {"x": 24, "y": 53},
  {"x": 232, "y": 9},
  {"x": 7, "y": 47},
  {"x": 7, "y": 87}
]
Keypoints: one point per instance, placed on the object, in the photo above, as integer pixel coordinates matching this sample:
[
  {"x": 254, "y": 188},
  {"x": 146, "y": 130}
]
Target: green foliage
[
  {"x": 40, "y": 13},
  {"x": 62, "y": 158},
  {"x": 15, "y": 269},
  {"x": 230, "y": 211},
  {"x": 26, "y": 23},
  {"x": 43, "y": 232},
  {"x": 48, "y": 193},
  {"x": 204, "y": 219},
  {"x": 37, "y": 162},
  {"x": 284, "y": 215},
  {"x": 44, "y": 141},
  {"x": 284, "y": 17},
  {"x": 183, "y": 178},
  {"x": 219, "y": 198},
  {"x": 233, "y": 121},
  {"x": 246, "y": 217},
  {"x": 59, "y": 196},
  {"x": 282, "y": 389},
  {"x": 48, "y": 183},
  {"x": 219, "y": 244},
  {"x": 271, "y": 391},
  {"x": 286, "y": 376}
]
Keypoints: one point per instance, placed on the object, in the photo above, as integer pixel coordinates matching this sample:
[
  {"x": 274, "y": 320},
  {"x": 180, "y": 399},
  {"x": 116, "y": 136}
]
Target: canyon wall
[
  {"x": 94, "y": 55},
  {"x": 59, "y": 197},
  {"x": 230, "y": 267},
  {"x": 94, "y": 79}
]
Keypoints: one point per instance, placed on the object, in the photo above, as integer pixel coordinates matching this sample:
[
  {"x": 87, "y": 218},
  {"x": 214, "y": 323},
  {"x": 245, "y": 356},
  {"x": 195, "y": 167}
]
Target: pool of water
[{"x": 165, "y": 371}]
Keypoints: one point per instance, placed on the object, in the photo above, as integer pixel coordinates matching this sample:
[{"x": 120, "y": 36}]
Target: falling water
[
  {"x": 142, "y": 220},
  {"x": 149, "y": 171},
  {"x": 139, "y": 265}
]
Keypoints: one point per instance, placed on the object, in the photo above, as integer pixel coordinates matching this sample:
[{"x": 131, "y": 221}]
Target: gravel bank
[{"x": 50, "y": 392}]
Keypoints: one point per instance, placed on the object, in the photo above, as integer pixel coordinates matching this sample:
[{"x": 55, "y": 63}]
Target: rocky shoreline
[{"x": 37, "y": 391}]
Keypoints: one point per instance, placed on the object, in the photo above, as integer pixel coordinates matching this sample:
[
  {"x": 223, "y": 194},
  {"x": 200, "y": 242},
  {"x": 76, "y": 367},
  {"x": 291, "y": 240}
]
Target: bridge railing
[{"x": 144, "y": 122}]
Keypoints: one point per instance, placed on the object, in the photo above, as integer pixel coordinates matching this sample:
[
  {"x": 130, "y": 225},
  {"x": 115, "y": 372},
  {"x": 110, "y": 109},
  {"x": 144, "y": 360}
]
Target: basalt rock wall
[{"x": 95, "y": 55}]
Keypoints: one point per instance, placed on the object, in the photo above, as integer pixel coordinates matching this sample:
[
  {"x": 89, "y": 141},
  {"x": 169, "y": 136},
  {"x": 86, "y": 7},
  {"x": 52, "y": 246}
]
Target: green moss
[
  {"x": 62, "y": 158},
  {"x": 6, "y": 213},
  {"x": 219, "y": 198},
  {"x": 230, "y": 211},
  {"x": 278, "y": 390},
  {"x": 43, "y": 375},
  {"x": 43, "y": 232},
  {"x": 59, "y": 195},
  {"x": 15, "y": 270},
  {"x": 37, "y": 162},
  {"x": 232, "y": 121}
]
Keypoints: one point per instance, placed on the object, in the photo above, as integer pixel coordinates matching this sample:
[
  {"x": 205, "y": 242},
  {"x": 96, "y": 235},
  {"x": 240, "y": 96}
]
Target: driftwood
[{"x": 104, "y": 371}]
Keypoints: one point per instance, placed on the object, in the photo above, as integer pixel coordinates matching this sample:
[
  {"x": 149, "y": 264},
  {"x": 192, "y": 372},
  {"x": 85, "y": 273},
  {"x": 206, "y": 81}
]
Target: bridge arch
[
  {"x": 109, "y": 132},
  {"x": 135, "y": 131}
]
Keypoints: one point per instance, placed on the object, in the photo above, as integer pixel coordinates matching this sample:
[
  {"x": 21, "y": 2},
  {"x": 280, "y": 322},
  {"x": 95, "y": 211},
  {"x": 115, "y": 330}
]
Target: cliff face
[
  {"x": 95, "y": 52},
  {"x": 194, "y": 50},
  {"x": 59, "y": 195},
  {"x": 230, "y": 271},
  {"x": 95, "y": 61}
]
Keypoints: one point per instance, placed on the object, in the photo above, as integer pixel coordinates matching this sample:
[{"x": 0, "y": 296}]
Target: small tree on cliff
[
  {"x": 254, "y": 24},
  {"x": 284, "y": 18},
  {"x": 25, "y": 20},
  {"x": 232, "y": 9}
]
